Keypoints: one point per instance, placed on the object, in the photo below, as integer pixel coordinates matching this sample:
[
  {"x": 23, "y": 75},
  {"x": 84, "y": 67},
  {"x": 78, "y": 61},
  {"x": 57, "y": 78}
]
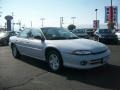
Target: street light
[
  {"x": 96, "y": 21},
  {"x": 73, "y": 19},
  {"x": 42, "y": 19}
]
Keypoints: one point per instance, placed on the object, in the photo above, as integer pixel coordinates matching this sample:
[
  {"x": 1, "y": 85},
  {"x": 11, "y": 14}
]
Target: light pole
[
  {"x": 13, "y": 21},
  {"x": 111, "y": 23},
  {"x": 0, "y": 11},
  {"x": 73, "y": 18},
  {"x": 96, "y": 22},
  {"x": 31, "y": 24},
  {"x": 111, "y": 2},
  {"x": 0, "y": 16},
  {"x": 42, "y": 19},
  {"x": 61, "y": 21},
  {"x": 111, "y": 13},
  {"x": 96, "y": 13}
]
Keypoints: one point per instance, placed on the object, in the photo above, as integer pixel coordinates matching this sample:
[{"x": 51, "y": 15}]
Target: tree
[{"x": 71, "y": 27}]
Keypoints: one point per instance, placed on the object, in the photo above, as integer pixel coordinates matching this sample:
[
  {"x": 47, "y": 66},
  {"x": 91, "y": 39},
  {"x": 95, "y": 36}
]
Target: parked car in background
[
  {"x": 81, "y": 33},
  {"x": 59, "y": 47},
  {"x": 105, "y": 36},
  {"x": 90, "y": 32},
  {"x": 118, "y": 34},
  {"x": 4, "y": 37}
]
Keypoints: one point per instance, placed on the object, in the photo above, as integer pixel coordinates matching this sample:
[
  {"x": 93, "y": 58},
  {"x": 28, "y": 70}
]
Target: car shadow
[{"x": 107, "y": 76}]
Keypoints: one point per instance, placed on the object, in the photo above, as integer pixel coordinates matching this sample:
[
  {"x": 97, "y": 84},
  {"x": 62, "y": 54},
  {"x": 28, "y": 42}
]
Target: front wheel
[
  {"x": 15, "y": 52},
  {"x": 54, "y": 61}
]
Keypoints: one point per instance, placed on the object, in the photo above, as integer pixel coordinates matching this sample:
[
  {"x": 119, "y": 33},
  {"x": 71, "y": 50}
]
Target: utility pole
[
  {"x": 61, "y": 21},
  {"x": 73, "y": 18},
  {"x": 42, "y": 19}
]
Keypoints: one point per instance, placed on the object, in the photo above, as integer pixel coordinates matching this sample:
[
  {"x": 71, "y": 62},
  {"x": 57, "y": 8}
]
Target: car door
[
  {"x": 23, "y": 41},
  {"x": 36, "y": 44}
]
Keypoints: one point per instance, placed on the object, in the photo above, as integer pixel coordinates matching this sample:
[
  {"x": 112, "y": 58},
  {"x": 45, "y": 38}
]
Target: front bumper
[
  {"x": 92, "y": 60},
  {"x": 109, "y": 40}
]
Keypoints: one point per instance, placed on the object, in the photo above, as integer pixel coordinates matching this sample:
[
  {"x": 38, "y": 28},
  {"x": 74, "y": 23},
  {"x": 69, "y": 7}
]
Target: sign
[
  {"x": 95, "y": 24},
  {"x": 111, "y": 14}
]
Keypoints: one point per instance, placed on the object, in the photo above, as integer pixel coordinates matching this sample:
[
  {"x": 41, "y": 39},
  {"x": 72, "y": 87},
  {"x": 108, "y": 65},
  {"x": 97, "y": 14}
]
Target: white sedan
[{"x": 59, "y": 47}]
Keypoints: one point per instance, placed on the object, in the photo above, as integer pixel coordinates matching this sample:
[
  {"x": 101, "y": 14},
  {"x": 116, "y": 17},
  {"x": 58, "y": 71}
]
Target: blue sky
[{"x": 52, "y": 10}]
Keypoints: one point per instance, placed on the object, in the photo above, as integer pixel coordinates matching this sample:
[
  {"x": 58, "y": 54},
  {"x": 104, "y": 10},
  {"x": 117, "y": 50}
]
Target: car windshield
[
  {"x": 58, "y": 34},
  {"x": 105, "y": 31}
]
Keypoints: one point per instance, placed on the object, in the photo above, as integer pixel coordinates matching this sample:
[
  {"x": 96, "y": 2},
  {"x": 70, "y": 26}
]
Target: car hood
[{"x": 78, "y": 44}]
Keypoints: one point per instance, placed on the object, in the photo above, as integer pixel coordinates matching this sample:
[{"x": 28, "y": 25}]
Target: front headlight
[{"x": 81, "y": 52}]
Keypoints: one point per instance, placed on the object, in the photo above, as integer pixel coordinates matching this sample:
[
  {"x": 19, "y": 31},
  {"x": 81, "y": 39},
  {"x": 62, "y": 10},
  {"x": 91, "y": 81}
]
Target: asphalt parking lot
[{"x": 30, "y": 74}]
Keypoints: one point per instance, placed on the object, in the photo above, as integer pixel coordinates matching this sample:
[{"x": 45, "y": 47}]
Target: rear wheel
[
  {"x": 15, "y": 52},
  {"x": 54, "y": 61}
]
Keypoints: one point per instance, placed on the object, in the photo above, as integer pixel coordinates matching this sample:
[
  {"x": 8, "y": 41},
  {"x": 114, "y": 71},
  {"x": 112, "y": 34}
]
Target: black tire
[
  {"x": 15, "y": 52},
  {"x": 55, "y": 65}
]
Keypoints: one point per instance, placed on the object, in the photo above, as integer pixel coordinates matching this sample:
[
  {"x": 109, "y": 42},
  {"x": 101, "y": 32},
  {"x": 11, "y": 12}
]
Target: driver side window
[{"x": 36, "y": 33}]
